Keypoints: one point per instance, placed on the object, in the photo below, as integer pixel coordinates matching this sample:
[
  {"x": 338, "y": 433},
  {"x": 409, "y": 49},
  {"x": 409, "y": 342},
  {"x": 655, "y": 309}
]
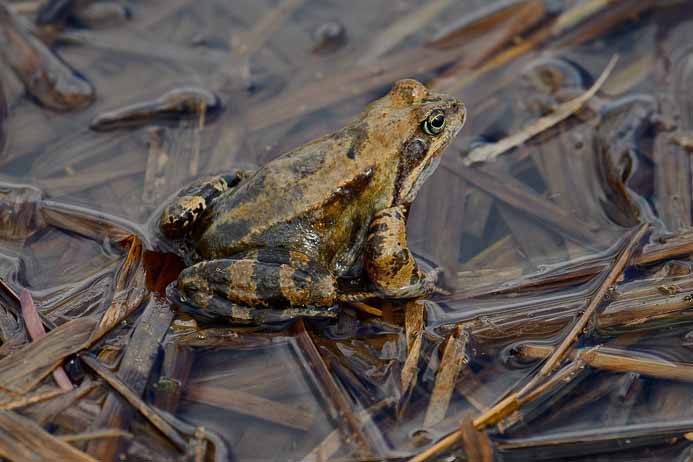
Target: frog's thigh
[
  {"x": 178, "y": 217},
  {"x": 388, "y": 262},
  {"x": 251, "y": 282}
]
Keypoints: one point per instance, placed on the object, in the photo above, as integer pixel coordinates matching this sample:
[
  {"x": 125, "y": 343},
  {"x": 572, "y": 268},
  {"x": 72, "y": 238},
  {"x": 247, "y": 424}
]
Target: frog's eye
[{"x": 434, "y": 123}]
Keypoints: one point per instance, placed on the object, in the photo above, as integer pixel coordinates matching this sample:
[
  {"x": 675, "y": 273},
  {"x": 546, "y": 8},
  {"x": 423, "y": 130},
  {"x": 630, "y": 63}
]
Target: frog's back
[{"x": 315, "y": 199}]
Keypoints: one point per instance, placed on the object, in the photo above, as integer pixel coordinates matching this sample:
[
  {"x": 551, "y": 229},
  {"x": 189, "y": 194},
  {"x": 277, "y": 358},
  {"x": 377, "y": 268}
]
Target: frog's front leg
[
  {"x": 180, "y": 215},
  {"x": 388, "y": 262},
  {"x": 273, "y": 278}
]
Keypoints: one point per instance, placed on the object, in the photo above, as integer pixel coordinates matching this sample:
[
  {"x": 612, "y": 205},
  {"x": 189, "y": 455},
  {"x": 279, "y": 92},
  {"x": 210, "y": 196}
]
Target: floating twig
[
  {"x": 86, "y": 436},
  {"x": 27, "y": 400},
  {"x": 46, "y": 411},
  {"x": 503, "y": 408},
  {"x": 490, "y": 151},
  {"x": 676, "y": 246},
  {"x": 616, "y": 360},
  {"x": 534, "y": 388},
  {"x": 36, "y": 331},
  {"x": 615, "y": 272},
  {"x": 365, "y": 308},
  {"x": 584, "y": 442}
]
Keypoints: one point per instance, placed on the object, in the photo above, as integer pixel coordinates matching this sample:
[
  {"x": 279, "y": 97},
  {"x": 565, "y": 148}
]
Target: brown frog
[{"x": 280, "y": 238}]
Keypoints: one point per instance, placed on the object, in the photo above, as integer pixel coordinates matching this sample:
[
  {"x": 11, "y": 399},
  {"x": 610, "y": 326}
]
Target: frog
[{"x": 281, "y": 238}]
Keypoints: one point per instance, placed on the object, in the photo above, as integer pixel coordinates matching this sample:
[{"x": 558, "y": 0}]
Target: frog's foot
[
  {"x": 424, "y": 286},
  {"x": 178, "y": 217},
  {"x": 388, "y": 262},
  {"x": 264, "y": 280},
  {"x": 430, "y": 286}
]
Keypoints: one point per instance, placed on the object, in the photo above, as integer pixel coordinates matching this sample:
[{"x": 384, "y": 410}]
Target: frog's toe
[
  {"x": 430, "y": 283},
  {"x": 440, "y": 291}
]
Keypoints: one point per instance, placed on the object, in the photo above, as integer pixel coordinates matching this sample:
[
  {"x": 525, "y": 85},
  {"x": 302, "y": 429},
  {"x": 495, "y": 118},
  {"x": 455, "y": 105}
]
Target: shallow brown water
[{"x": 523, "y": 242}]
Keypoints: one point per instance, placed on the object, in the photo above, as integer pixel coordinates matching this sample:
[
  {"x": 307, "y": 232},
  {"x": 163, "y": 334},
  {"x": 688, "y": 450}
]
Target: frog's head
[{"x": 432, "y": 120}]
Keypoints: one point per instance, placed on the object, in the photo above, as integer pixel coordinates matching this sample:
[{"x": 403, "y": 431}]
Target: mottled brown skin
[{"x": 283, "y": 235}]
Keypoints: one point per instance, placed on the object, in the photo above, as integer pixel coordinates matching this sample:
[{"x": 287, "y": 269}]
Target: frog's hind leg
[
  {"x": 261, "y": 279},
  {"x": 388, "y": 262},
  {"x": 178, "y": 217}
]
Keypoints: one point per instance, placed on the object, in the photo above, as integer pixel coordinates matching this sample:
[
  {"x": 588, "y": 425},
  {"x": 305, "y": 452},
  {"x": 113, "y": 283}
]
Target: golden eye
[{"x": 434, "y": 123}]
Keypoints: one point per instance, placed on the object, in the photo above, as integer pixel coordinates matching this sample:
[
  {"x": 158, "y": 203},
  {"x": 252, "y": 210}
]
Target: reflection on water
[{"x": 523, "y": 242}]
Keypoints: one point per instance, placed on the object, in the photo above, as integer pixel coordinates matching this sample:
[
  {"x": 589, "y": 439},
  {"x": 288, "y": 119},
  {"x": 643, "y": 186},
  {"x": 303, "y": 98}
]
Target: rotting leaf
[
  {"x": 476, "y": 444},
  {"x": 45, "y": 76},
  {"x": 185, "y": 102},
  {"x": 454, "y": 357},
  {"x": 413, "y": 327}
]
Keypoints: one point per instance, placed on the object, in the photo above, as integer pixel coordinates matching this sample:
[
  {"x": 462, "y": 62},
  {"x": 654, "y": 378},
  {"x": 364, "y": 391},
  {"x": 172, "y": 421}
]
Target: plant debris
[{"x": 559, "y": 224}]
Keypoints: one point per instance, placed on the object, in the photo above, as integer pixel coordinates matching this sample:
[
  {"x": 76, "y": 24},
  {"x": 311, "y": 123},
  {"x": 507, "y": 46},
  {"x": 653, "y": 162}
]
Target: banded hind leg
[
  {"x": 389, "y": 263},
  {"x": 266, "y": 278},
  {"x": 178, "y": 217}
]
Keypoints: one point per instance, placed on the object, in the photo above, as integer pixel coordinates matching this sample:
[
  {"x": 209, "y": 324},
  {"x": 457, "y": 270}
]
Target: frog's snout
[{"x": 460, "y": 109}]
